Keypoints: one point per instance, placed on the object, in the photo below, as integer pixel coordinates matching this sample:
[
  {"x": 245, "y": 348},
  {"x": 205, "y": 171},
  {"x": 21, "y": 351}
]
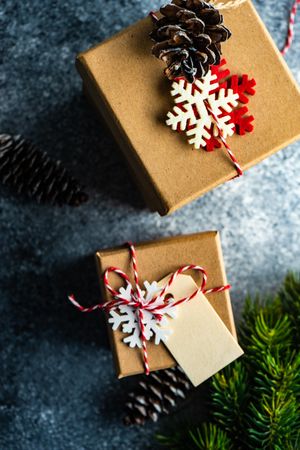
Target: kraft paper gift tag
[{"x": 200, "y": 342}]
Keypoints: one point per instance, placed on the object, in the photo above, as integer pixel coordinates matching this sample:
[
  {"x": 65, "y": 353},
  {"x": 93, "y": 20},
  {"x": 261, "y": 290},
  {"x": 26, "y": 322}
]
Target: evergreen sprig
[
  {"x": 228, "y": 410},
  {"x": 289, "y": 297},
  {"x": 273, "y": 418},
  {"x": 207, "y": 436},
  {"x": 255, "y": 402}
]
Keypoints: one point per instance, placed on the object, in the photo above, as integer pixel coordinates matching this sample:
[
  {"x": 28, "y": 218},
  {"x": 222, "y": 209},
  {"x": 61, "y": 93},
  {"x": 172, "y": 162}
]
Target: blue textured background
[{"x": 57, "y": 387}]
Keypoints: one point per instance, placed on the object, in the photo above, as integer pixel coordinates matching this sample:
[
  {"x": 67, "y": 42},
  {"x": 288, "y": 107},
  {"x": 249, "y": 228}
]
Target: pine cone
[
  {"x": 156, "y": 394},
  {"x": 32, "y": 172},
  {"x": 188, "y": 38}
]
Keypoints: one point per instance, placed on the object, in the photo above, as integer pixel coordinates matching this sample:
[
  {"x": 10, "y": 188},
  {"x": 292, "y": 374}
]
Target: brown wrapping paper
[
  {"x": 155, "y": 261},
  {"x": 127, "y": 86}
]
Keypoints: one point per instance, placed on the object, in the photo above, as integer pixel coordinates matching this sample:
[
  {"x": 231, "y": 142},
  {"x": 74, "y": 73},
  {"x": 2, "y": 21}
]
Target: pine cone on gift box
[
  {"x": 156, "y": 394},
  {"x": 32, "y": 172},
  {"x": 188, "y": 38}
]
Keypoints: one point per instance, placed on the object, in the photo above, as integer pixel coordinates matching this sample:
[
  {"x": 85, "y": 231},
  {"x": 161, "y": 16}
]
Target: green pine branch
[
  {"x": 205, "y": 437},
  {"x": 264, "y": 328},
  {"x": 210, "y": 437},
  {"x": 289, "y": 297},
  {"x": 228, "y": 409},
  {"x": 273, "y": 417},
  {"x": 255, "y": 402}
]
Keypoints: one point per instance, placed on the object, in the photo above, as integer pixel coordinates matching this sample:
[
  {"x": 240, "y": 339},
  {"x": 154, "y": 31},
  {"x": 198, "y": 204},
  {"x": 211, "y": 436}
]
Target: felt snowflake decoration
[
  {"x": 125, "y": 317},
  {"x": 221, "y": 94},
  {"x": 193, "y": 102},
  {"x": 239, "y": 117}
]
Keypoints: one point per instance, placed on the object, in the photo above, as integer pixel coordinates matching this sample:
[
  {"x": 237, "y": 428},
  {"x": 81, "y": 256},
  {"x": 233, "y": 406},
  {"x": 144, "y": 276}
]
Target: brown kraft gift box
[
  {"x": 127, "y": 86},
  {"x": 156, "y": 260}
]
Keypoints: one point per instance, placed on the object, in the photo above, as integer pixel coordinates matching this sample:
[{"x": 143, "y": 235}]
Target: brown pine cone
[
  {"x": 32, "y": 172},
  {"x": 188, "y": 38},
  {"x": 156, "y": 394}
]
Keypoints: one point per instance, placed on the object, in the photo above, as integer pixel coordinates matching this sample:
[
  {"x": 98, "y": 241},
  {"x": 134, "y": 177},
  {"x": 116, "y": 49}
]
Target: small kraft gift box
[
  {"x": 124, "y": 79},
  {"x": 166, "y": 303}
]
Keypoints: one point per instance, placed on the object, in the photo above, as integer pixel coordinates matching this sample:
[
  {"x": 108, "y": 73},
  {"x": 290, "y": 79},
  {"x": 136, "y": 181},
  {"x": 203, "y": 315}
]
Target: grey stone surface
[{"x": 58, "y": 389}]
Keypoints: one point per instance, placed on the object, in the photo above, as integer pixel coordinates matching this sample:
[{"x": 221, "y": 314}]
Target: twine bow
[{"x": 158, "y": 305}]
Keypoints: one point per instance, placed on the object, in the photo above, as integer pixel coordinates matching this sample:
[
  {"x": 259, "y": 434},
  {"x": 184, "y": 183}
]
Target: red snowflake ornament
[{"x": 244, "y": 86}]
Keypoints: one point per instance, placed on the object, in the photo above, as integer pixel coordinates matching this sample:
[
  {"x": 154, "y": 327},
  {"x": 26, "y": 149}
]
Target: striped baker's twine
[
  {"x": 158, "y": 305},
  {"x": 221, "y": 135},
  {"x": 291, "y": 31},
  {"x": 139, "y": 307}
]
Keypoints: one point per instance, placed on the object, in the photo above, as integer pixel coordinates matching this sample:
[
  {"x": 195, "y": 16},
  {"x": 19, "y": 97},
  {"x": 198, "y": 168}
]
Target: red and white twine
[
  {"x": 157, "y": 305},
  {"x": 291, "y": 31},
  {"x": 228, "y": 149}
]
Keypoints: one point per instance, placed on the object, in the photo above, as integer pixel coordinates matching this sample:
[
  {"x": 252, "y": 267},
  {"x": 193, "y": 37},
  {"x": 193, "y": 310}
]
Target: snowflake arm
[
  {"x": 205, "y": 85},
  {"x": 182, "y": 91},
  {"x": 126, "y": 318},
  {"x": 226, "y": 125},
  {"x": 133, "y": 340},
  {"x": 116, "y": 320},
  {"x": 181, "y": 118},
  {"x": 242, "y": 86},
  {"x": 242, "y": 121},
  {"x": 224, "y": 99},
  {"x": 152, "y": 289},
  {"x": 161, "y": 334},
  {"x": 212, "y": 143},
  {"x": 126, "y": 292},
  {"x": 198, "y": 135}
]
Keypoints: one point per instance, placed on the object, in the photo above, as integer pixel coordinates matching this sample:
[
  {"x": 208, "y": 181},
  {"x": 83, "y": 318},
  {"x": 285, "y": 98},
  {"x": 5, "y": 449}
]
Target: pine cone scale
[
  {"x": 170, "y": 11},
  {"x": 195, "y": 26}
]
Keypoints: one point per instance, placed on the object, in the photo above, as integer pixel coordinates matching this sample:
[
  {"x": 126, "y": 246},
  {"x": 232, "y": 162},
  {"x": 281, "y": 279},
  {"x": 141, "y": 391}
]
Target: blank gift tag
[{"x": 200, "y": 342}]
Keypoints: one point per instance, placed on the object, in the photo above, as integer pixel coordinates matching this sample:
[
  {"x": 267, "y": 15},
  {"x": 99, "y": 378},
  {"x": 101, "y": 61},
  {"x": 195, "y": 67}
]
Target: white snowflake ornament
[
  {"x": 190, "y": 114},
  {"x": 126, "y": 318}
]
